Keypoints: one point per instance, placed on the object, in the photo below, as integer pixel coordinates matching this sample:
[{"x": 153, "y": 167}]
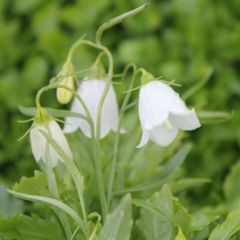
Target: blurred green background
[{"x": 177, "y": 39}]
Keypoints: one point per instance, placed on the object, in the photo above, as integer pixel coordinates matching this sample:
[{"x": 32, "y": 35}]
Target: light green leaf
[
  {"x": 232, "y": 183},
  {"x": 201, "y": 220},
  {"x": 161, "y": 215},
  {"x": 157, "y": 225},
  {"x": 228, "y": 228},
  {"x": 208, "y": 117},
  {"x": 50, "y": 201},
  {"x": 8, "y": 204},
  {"x": 36, "y": 185},
  {"x": 119, "y": 223},
  {"x": 172, "y": 165},
  {"x": 30, "y": 111},
  {"x": 21, "y": 227},
  {"x": 188, "y": 183}
]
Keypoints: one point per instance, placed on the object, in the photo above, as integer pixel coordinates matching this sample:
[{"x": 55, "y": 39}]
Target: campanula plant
[{"x": 89, "y": 186}]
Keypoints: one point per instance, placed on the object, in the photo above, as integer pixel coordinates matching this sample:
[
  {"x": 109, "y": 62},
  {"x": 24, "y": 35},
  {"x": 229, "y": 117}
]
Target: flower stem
[
  {"x": 52, "y": 186},
  {"x": 76, "y": 176},
  {"x": 78, "y": 181},
  {"x": 117, "y": 136}
]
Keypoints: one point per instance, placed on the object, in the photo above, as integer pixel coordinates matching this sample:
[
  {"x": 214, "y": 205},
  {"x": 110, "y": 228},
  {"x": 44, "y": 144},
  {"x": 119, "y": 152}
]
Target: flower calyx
[{"x": 41, "y": 116}]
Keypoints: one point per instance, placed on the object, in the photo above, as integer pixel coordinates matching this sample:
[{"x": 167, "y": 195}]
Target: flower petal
[
  {"x": 188, "y": 121},
  {"x": 57, "y": 134},
  {"x": 144, "y": 139},
  {"x": 163, "y": 134},
  {"x": 152, "y": 105},
  {"x": 71, "y": 123},
  {"x": 91, "y": 92},
  {"x": 38, "y": 142}
]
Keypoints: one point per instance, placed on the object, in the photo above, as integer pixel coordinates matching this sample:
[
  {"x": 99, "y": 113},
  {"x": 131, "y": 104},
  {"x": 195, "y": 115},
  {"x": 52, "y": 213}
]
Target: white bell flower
[
  {"x": 39, "y": 142},
  {"x": 162, "y": 113},
  {"x": 91, "y": 92}
]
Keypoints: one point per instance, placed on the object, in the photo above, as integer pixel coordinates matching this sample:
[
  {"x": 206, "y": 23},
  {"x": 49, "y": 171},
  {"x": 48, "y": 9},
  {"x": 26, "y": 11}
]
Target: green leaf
[
  {"x": 232, "y": 183},
  {"x": 21, "y": 227},
  {"x": 156, "y": 226},
  {"x": 30, "y": 111},
  {"x": 171, "y": 166},
  {"x": 201, "y": 220},
  {"x": 160, "y": 216},
  {"x": 36, "y": 185},
  {"x": 228, "y": 228},
  {"x": 8, "y": 204},
  {"x": 118, "y": 224},
  {"x": 208, "y": 117},
  {"x": 51, "y": 202},
  {"x": 188, "y": 183}
]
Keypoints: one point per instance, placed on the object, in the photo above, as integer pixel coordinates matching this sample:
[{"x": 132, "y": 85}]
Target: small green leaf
[
  {"x": 36, "y": 185},
  {"x": 118, "y": 224},
  {"x": 180, "y": 235},
  {"x": 188, "y": 183},
  {"x": 228, "y": 228},
  {"x": 232, "y": 183},
  {"x": 30, "y": 111},
  {"x": 51, "y": 202}
]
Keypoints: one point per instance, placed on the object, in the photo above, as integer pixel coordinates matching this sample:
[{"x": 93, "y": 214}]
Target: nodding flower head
[
  {"x": 162, "y": 113},
  {"x": 40, "y": 146},
  {"x": 91, "y": 92}
]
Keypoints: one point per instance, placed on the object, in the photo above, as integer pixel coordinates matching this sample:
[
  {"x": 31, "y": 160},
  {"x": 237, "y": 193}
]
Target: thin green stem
[
  {"x": 97, "y": 158},
  {"x": 78, "y": 181},
  {"x": 52, "y": 186},
  {"x": 76, "y": 176},
  {"x": 117, "y": 20},
  {"x": 117, "y": 136}
]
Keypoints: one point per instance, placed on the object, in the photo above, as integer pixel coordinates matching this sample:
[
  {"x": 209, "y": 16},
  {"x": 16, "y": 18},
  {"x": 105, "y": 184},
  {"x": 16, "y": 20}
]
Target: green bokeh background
[{"x": 177, "y": 39}]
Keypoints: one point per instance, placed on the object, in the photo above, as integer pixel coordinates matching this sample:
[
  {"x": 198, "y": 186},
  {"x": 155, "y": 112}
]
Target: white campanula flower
[
  {"x": 162, "y": 113},
  {"x": 91, "y": 92},
  {"x": 39, "y": 142}
]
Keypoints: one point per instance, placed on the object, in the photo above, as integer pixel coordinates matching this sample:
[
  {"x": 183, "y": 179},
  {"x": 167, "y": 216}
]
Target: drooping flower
[
  {"x": 39, "y": 143},
  {"x": 162, "y": 113},
  {"x": 91, "y": 92}
]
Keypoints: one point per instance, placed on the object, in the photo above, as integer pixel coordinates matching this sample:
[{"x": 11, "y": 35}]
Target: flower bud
[{"x": 64, "y": 95}]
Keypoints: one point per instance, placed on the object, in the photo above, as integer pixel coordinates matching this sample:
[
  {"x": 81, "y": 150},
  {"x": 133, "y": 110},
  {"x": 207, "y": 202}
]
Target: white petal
[
  {"x": 91, "y": 92},
  {"x": 71, "y": 123},
  {"x": 37, "y": 142},
  {"x": 156, "y": 101},
  {"x": 144, "y": 139},
  {"x": 163, "y": 135},
  {"x": 152, "y": 105},
  {"x": 59, "y": 137},
  {"x": 188, "y": 121}
]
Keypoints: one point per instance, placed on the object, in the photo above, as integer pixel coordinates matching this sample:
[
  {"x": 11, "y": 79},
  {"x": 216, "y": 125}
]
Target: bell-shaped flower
[
  {"x": 91, "y": 92},
  {"x": 162, "y": 113},
  {"x": 40, "y": 145}
]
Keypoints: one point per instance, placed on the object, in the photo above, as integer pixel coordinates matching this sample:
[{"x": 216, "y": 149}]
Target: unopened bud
[
  {"x": 64, "y": 95},
  {"x": 64, "y": 92}
]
